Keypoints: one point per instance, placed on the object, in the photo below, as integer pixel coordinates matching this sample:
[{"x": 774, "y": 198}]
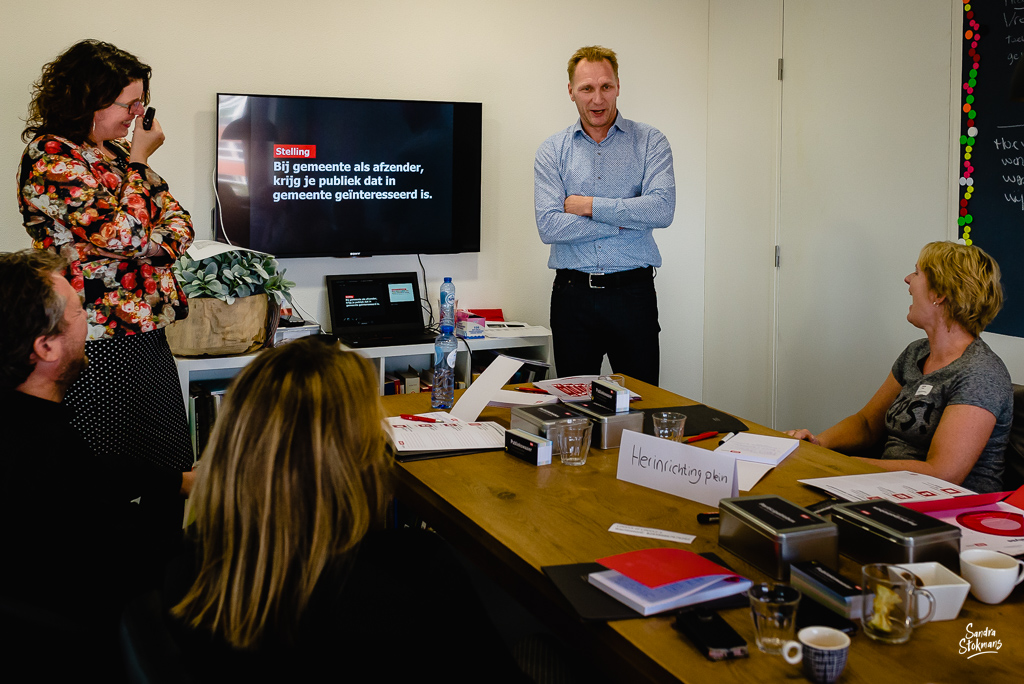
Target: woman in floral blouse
[{"x": 88, "y": 194}]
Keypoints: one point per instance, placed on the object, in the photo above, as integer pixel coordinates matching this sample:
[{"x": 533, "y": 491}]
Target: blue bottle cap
[
  {"x": 447, "y": 279},
  {"x": 447, "y": 329}
]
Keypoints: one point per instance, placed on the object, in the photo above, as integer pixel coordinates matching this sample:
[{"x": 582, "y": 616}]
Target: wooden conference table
[{"x": 513, "y": 518}]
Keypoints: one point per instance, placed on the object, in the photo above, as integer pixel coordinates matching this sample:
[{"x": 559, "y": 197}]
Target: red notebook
[
  {"x": 656, "y": 580},
  {"x": 657, "y": 567}
]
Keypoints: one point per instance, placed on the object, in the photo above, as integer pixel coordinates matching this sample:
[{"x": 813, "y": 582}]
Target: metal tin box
[
  {"x": 879, "y": 531},
  {"x": 770, "y": 532},
  {"x": 538, "y": 419},
  {"x": 608, "y": 425}
]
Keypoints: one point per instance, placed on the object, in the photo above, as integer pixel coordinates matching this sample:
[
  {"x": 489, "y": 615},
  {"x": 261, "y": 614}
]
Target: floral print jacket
[{"x": 100, "y": 215}]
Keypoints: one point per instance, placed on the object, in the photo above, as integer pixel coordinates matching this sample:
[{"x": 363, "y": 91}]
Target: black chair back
[
  {"x": 151, "y": 656},
  {"x": 1013, "y": 475}
]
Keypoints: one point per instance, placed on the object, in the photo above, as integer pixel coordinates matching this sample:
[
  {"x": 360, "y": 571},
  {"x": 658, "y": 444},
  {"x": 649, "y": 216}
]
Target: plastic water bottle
[
  {"x": 448, "y": 303},
  {"x": 442, "y": 394}
]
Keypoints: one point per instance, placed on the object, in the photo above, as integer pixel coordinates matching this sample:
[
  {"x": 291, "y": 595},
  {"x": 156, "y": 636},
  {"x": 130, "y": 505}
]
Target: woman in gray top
[{"x": 946, "y": 407}]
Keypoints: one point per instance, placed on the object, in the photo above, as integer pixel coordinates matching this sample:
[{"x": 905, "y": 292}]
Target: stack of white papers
[
  {"x": 759, "y": 448},
  {"x": 512, "y": 399},
  {"x": 573, "y": 388},
  {"x": 411, "y": 437},
  {"x": 513, "y": 329},
  {"x": 900, "y": 486},
  {"x": 756, "y": 455}
]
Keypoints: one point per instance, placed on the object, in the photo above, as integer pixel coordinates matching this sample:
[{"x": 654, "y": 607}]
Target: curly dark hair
[
  {"x": 30, "y": 307},
  {"x": 84, "y": 79}
]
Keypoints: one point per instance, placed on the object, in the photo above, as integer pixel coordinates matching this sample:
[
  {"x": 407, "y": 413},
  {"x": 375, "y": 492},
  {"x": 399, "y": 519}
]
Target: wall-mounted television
[{"x": 324, "y": 176}]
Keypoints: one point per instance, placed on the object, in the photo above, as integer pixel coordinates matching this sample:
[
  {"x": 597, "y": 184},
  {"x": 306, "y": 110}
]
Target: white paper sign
[
  {"x": 652, "y": 533},
  {"x": 750, "y": 473},
  {"x": 474, "y": 399},
  {"x": 202, "y": 249},
  {"x": 512, "y": 399},
  {"x": 680, "y": 469}
]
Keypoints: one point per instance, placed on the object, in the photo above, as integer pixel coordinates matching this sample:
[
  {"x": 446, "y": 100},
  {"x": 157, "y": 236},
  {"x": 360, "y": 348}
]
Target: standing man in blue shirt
[{"x": 601, "y": 187}]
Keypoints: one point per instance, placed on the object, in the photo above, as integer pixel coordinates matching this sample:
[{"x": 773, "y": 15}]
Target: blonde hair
[
  {"x": 969, "y": 280},
  {"x": 294, "y": 475},
  {"x": 593, "y": 53}
]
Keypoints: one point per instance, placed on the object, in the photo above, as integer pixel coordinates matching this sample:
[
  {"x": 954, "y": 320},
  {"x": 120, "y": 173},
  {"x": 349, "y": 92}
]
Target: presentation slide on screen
[
  {"x": 376, "y": 301},
  {"x": 353, "y": 301},
  {"x": 312, "y": 175},
  {"x": 400, "y": 292},
  {"x": 397, "y": 293}
]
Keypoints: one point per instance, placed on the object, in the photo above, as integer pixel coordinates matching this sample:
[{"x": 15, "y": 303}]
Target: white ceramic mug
[
  {"x": 992, "y": 574},
  {"x": 823, "y": 651}
]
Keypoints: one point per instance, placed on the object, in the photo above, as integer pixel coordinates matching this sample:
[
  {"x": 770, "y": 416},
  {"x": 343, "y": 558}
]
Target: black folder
[{"x": 699, "y": 419}]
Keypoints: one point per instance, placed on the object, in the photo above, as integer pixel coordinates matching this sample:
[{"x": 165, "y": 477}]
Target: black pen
[
  {"x": 707, "y": 518},
  {"x": 727, "y": 438}
]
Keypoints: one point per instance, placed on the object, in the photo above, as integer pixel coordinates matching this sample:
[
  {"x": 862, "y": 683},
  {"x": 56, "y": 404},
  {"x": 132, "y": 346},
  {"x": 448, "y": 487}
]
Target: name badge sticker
[{"x": 923, "y": 391}]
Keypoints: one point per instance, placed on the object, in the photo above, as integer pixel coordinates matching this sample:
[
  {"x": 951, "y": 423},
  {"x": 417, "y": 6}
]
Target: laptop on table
[{"x": 377, "y": 309}]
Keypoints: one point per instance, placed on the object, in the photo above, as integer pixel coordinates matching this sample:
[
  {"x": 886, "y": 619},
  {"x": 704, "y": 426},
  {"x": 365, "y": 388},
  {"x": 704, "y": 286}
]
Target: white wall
[
  {"x": 509, "y": 55},
  {"x": 690, "y": 67}
]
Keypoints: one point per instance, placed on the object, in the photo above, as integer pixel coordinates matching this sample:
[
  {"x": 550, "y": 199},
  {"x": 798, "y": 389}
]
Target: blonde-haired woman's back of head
[{"x": 294, "y": 475}]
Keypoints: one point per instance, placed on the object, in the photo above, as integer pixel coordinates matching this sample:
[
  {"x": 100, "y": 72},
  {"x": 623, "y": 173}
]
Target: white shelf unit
[{"x": 385, "y": 359}]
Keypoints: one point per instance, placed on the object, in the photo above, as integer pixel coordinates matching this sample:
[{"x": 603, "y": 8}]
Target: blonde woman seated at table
[
  {"x": 289, "y": 574},
  {"x": 946, "y": 407}
]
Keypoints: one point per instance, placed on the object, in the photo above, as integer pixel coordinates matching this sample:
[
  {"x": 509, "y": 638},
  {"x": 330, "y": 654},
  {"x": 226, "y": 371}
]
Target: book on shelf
[
  {"x": 426, "y": 379},
  {"x": 204, "y": 400},
  {"x": 410, "y": 380},
  {"x": 653, "y": 581}
]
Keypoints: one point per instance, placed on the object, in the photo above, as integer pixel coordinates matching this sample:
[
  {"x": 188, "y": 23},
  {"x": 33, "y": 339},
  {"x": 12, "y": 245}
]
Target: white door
[{"x": 864, "y": 176}]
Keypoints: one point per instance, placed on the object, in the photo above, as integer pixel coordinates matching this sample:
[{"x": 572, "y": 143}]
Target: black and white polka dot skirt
[{"x": 128, "y": 401}]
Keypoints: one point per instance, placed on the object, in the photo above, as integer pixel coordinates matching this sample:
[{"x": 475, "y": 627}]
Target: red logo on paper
[{"x": 294, "y": 151}]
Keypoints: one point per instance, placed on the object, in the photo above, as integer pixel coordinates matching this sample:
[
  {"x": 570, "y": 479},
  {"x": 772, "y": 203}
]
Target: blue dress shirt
[{"x": 629, "y": 174}]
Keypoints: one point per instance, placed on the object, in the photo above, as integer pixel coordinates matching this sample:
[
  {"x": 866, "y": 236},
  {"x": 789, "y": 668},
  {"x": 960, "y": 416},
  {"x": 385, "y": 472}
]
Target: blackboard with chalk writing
[{"x": 991, "y": 173}]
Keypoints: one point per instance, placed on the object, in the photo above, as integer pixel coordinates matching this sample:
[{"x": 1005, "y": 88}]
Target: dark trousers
[{"x": 619, "y": 319}]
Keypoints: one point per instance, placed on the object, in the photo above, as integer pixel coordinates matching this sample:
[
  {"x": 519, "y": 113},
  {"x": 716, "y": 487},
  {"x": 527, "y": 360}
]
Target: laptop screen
[{"x": 374, "y": 303}]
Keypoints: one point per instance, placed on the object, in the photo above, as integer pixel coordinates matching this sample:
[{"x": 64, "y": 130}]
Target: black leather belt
[{"x": 600, "y": 281}]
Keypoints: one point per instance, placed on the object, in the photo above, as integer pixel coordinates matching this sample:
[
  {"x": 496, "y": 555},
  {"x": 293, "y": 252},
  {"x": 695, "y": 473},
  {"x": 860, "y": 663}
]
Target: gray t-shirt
[{"x": 977, "y": 378}]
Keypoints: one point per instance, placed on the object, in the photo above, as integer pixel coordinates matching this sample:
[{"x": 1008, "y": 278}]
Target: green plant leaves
[{"x": 230, "y": 275}]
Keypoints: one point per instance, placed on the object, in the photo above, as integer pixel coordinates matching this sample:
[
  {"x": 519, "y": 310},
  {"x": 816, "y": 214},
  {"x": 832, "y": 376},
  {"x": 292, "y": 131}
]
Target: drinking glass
[
  {"x": 773, "y": 609},
  {"x": 571, "y": 438},
  {"x": 669, "y": 425}
]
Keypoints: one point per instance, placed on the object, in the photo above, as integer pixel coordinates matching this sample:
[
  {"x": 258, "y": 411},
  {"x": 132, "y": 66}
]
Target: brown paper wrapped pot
[{"x": 216, "y": 328}]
